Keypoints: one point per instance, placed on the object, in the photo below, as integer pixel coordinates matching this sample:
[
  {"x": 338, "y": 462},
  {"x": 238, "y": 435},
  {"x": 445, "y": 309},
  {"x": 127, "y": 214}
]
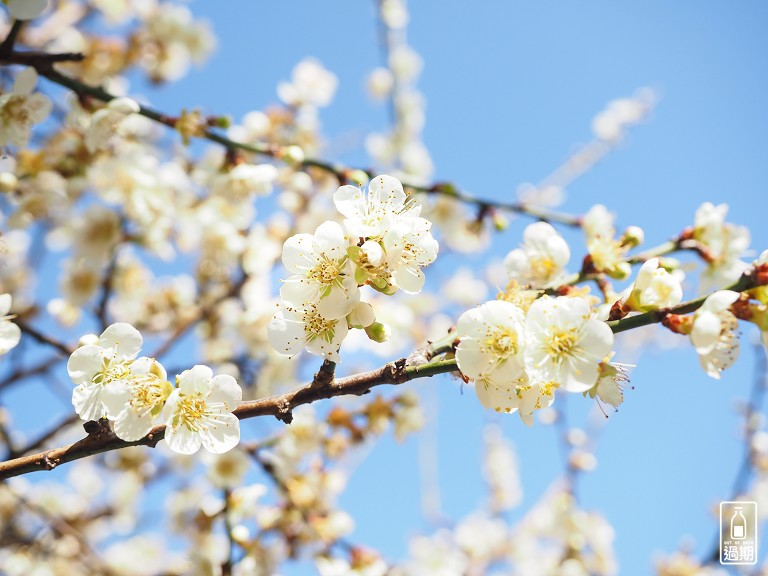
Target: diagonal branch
[
  {"x": 101, "y": 439},
  {"x": 341, "y": 172}
]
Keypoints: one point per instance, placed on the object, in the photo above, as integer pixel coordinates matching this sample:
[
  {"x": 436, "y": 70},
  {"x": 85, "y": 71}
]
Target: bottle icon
[{"x": 738, "y": 525}]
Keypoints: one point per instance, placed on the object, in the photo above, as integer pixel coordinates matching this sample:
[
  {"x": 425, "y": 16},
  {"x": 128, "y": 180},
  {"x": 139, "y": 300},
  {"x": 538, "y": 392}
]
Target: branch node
[
  {"x": 324, "y": 376},
  {"x": 284, "y": 412},
  {"x": 48, "y": 462}
]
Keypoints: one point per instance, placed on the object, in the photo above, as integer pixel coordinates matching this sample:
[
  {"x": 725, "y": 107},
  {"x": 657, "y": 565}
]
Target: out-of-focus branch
[
  {"x": 43, "y": 338},
  {"x": 342, "y": 173}
]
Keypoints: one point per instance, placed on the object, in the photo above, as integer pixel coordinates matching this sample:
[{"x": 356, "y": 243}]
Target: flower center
[
  {"x": 326, "y": 271},
  {"x": 149, "y": 391},
  {"x": 542, "y": 268},
  {"x": 316, "y": 326},
  {"x": 190, "y": 412},
  {"x": 113, "y": 371},
  {"x": 561, "y": 343},
  {"x": 503, "y": 343}
]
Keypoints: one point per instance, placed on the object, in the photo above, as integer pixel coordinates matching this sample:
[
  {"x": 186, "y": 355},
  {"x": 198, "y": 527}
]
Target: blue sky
[{"x": 511, "y": 88}]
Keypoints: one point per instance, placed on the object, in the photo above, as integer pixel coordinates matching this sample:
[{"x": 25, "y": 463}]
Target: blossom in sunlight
[
  {"x": 244, "y": 180},
  {"x": 541, "y": 259},
  {"x": 107, "y": 363},
  {"x": 654, "y": 288},
  {"x": 607, "y": 252},
  {"x": 610, "y": 383},
  {"x": 135, "y": 402},
  {"x": 26, "y": 9},
  {"x": 10, "y": 334},
  {"x": 199, "y": 412},
  {"x": 372, "y": 215},
  {"x": 521, "y": 395},
  {"x": 491, "y": 343},
  {"x": 310, "y": 84},
  {"x": 714, "y": 332},
  {"x": 21, "y": 109},
  {"x": 320, "y": 272},
  {"x": 107, "y": 122},
  {"x": 725, "y": 242},
  {"x": 292, "y": 329},
  {"x": 565, "y": 343},
  {"x": 409, "y": 246}
]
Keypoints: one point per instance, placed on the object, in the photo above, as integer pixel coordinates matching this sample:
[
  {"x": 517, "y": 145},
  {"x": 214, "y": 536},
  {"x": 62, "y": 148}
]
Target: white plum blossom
[
  {"x": 491, "y": 343},
  {"x": 244, "y": 180},
  {"x": 199, "y": 412},
  {"x": 135, "y": 402},
  {"x": 565, "y": 343},
  {"x": 409, "y": 246},
  {"x": 521, "y": 396},
  {"x": 310, "y": 84},
  {"x": 10, "y": 334},
  {"x": 541, "y": 259},
  {"x": 107, "y": 122},
  {"x": 21, "y": 109},
  {"x": 491, "y": 350},
  {"x": 654, "y": 288},
  {"x": 95, "y": 367},
  {"x": 372, "y": 215},
  {"x": 321, "y": 272},
  {"x": 726, "y": 243},
  {"x": 714, "y": 332},
  {"x": 292, "y": 329}
]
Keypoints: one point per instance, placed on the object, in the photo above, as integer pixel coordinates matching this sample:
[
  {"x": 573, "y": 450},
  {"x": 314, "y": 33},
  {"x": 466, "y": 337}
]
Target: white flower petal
[
  {"x": 223, "y": 436},
  {"x": 5, "y": 304},
  {"x": 298, "y": 254},
  {"x": 182, "y": 440},
  {"x": 130, "y": 426},
  {"x": 123, "y": 339},
  {"x": 286, "y": 334},
  {"x": 225, "y": 389},
  {"x": 196, "y": 380},
  {"x": 84, "y": 364},
  {"x": 87, "y": 402},
  {"x": 10, "y": 335},
  {"x": 706, "y": 331}
]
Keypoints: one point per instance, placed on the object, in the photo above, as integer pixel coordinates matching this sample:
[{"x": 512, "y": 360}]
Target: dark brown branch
[
  {"x": 100, "y": 439},
  {"x": 40, "y": 60},
  {"x": 42, "y": 338},
  {"x": 6, "y": 47}
]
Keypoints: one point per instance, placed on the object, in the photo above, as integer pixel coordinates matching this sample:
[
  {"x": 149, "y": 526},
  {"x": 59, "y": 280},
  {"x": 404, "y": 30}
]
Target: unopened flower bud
[
  {"x": 500, "y": 222},
  {"x": 633, "y": 236},
  {"x": 378, "y": 332},
  {"x": 621, "y": 271},
  {"x": 361, "y": 316},
  {"x": 293, "y": 155}
]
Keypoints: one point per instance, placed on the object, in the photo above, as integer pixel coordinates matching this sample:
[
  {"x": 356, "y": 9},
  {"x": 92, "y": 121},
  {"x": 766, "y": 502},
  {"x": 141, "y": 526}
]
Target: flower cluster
[
  {"x": 111, "y": 382},
  {"x": 384, "y": 244},
  {"x": 519, "y": 358}
]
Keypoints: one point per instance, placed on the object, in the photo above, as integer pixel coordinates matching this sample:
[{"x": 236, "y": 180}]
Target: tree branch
[
  {"x": 101, "y": 439},
  {"x": 341, "y": 172}
]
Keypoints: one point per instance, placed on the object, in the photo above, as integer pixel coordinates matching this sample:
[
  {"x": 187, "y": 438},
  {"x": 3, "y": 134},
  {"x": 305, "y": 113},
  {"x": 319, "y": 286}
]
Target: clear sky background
[{"x": 511, "y": 88}]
